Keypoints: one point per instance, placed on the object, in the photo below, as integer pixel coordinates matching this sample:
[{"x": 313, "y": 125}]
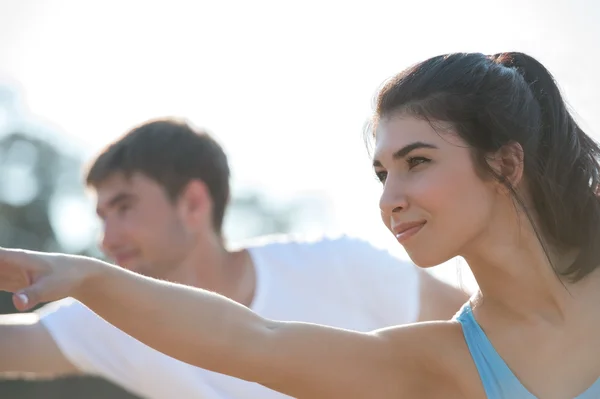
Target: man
[{"x": 162, "y": 192}]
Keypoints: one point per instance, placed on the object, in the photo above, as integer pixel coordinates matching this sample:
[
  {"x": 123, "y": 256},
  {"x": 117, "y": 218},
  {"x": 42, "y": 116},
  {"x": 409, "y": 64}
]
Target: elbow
[{"x": 239, "y": 351}]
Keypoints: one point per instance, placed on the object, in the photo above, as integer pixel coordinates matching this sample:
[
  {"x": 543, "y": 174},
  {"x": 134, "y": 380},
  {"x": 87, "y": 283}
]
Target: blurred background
[{"x": 285, "y": 87}]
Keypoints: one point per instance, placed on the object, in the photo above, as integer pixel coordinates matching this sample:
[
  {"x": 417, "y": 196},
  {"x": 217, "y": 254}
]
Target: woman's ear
[{"x": 508, "y": 164}]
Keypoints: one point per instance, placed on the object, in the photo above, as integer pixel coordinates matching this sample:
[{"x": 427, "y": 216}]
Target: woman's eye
[
  {"x": 415, "y": 161},
  {"x": 381, "y": 176}
]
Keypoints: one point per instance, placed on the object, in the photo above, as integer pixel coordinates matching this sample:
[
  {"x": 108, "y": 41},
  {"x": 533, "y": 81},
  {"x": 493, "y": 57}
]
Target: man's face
[{"x": 142, "y": 230}]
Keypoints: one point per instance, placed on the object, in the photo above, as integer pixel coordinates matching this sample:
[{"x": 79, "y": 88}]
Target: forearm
[
  {"x": 12, "y": 362},
  {"x": 27, "y": 350},
  {"x": 195, "y": 326}
]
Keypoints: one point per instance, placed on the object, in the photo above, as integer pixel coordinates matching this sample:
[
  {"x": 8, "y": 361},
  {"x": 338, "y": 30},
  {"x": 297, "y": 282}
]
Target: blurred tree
[
  {"x": 34, "y": 177},
  {"x": 33, "y": 174}
]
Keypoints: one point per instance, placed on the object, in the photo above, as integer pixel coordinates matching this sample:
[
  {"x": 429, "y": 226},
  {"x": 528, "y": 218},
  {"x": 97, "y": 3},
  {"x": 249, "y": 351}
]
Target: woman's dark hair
[{"x": 492, "y": 101}]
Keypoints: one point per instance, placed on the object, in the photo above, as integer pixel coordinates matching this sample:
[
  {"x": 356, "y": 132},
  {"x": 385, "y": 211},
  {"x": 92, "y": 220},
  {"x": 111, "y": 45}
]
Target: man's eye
[{"x": 123, "y": 208}]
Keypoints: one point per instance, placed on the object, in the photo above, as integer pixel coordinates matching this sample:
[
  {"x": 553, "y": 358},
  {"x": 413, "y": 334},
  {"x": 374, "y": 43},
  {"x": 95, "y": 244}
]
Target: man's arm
[
  {"x": 438, "y": 300},
  {"x": 27, "y": 349}
]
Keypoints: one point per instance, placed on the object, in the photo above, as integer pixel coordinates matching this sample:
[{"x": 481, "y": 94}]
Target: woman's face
[{"x": 433, "y": 200}]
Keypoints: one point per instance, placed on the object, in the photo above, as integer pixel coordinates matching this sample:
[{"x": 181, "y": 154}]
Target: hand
[{"x": 36, "y": 277}]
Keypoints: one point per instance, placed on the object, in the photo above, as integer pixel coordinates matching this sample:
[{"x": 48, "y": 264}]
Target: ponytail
[{"x": 567, "y": 162}]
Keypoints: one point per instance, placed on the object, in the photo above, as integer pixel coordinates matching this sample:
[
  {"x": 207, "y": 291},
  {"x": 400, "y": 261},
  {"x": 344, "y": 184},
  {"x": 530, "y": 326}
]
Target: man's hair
[{"x": 171, "y": 153}]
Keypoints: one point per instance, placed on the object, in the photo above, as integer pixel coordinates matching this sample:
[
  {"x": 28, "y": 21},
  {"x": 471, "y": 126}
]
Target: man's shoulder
[
  {"x": 341, "y": 253},
  {"x": 311, "y": 243}
]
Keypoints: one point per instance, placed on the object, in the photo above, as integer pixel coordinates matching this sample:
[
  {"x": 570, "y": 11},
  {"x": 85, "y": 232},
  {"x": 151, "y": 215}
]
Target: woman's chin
[{"x": 426, "y": 259}]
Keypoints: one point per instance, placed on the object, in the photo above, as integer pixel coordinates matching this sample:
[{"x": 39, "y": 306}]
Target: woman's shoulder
[{"x": 440, "y": 360}]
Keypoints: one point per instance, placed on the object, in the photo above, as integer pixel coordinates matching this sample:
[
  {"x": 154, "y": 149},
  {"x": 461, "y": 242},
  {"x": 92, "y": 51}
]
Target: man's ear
[{"x": 195, "y": 204}]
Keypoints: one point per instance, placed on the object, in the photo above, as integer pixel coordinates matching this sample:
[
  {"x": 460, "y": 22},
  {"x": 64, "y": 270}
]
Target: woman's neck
[{"x": 519, "y": 279}]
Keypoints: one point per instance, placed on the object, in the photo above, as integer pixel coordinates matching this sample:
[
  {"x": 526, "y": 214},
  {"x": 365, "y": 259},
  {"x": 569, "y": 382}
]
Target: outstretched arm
[
  {"x": 213, "y": 332},
  {"x": 216, "y": 333},
  {"x": 27, "y": 350}
]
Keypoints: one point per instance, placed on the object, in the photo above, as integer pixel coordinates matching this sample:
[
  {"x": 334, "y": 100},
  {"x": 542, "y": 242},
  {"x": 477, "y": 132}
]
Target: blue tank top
[{"x": 498, "y": 380}]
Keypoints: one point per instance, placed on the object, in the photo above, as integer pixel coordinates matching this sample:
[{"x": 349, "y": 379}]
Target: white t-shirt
[{"x": 343, "y": 282}]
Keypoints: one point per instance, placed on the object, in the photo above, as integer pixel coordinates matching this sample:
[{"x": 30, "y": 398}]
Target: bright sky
[{"x": 285, "y": 86}]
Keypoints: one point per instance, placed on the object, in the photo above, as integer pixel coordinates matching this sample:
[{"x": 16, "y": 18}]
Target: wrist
[{"x": 88, "y": 277}]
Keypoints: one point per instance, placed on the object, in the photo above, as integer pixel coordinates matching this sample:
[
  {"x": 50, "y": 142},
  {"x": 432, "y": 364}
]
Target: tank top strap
[{"x": 497, "y": 378}]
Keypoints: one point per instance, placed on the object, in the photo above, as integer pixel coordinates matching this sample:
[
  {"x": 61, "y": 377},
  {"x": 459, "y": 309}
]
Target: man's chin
[{"x": 140, "y": 269}]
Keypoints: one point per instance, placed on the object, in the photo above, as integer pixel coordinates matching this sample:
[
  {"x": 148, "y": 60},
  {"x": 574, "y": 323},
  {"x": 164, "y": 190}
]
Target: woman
[{"x": 478, "y": 158}]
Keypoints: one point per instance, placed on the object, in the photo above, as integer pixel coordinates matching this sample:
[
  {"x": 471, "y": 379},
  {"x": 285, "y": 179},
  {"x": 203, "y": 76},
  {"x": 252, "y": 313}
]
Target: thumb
[{"x": 29, "y": 297}]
